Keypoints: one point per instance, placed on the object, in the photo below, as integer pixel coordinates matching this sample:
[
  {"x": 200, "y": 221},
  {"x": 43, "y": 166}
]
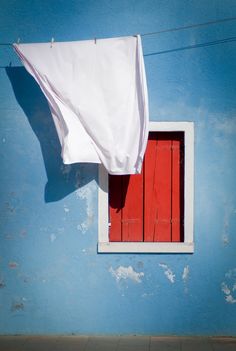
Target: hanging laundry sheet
[{"x": 97, "y": 94}]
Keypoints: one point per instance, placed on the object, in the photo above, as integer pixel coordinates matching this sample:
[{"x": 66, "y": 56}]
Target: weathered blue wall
[{"x": 52, "y": 279}]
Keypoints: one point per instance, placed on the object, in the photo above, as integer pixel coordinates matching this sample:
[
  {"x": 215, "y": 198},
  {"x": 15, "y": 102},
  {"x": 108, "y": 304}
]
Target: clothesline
[
  {"x": 189, "y": 26},
  {"x": 164, "y": 30}
]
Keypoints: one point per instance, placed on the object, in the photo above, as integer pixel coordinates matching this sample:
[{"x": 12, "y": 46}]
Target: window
[{"x": 153, "y": 211}]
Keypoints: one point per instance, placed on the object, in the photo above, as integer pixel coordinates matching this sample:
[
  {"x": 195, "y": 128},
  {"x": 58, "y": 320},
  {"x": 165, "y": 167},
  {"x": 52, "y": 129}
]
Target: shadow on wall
[{"x": 62, "y": 179}]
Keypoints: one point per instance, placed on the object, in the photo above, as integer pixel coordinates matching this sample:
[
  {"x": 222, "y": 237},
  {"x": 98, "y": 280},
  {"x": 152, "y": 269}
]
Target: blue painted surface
[{"x": 51, "y": 278}]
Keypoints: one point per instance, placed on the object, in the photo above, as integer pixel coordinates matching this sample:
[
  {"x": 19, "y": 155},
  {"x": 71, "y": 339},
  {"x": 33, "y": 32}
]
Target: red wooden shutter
[
  {"x": 163, "y": 200},
  {"x": 150, "y": 206},
  {"x": 157, "y": 199},
  {"x": 132, "y": 212},
  {"x": 126, "y": 208}
]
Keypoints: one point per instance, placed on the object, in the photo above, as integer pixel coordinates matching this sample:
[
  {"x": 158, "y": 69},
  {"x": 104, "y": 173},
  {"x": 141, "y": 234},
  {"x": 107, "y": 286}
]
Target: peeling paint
[
  {"x": 86, "y": 193},
  {"x": 52, "y": 238},
  {"x": 225, "y": 289},
  {"x": 228, "y": 212},
  {"x": 228, "y": 296},
  {"x": 168, "y": 272},
  {"x": 185, "y": 274},
  {"x": 66, "y": 209},
  {"x": 17, "y": 305},
  {"x": 231, "y": 274},
  {"x": 229, "y": 288},
  {"x": 13, "y": 265},
  {"x": 146, "y": 295},
  {"x": 225, "y": 239},
  {"x": 230, "y": 299},
  {"x": 126, "y": 273}
]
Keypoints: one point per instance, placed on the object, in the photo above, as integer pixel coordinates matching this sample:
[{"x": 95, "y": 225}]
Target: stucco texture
[{"x": 52, "y": 280}]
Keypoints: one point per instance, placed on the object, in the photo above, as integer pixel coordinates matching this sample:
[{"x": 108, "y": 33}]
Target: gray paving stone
[
  {"x": 196, "y": 344},
  {"x": 165, "y": 344},
  {"x": 9, "y": 343},
  {"x": 116, "y": 343}
]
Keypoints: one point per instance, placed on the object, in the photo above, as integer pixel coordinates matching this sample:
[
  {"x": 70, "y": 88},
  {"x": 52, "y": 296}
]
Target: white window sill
[{"x": 145, "y": 247}]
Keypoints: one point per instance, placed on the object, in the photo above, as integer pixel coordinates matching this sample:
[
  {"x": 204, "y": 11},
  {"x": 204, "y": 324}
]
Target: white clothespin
[{"x": 52, "y": 41}]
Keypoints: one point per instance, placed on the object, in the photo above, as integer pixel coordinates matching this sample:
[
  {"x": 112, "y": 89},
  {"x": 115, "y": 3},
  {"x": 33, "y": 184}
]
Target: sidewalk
[{"x": 116, "y": 343}]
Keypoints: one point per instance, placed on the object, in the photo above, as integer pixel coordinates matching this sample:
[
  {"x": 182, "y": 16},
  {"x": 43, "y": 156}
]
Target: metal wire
[
  {"x": 190, "y": 26},
  {"x": 172, "y": 29}
]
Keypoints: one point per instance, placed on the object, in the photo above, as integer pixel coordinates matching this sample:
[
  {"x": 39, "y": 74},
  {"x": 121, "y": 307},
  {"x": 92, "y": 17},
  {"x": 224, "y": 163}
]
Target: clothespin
[
  {"x": 18, "y": 41},
  {"x": 95, "y": 40},
  {"x": 52, "y": 41}
]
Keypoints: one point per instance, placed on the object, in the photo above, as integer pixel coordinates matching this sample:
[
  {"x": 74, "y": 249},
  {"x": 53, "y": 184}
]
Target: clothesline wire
[
  {"x": 172, "y": 29},
  {"x": 190, "y": 26},
  {"x": 194, "y": 46}
]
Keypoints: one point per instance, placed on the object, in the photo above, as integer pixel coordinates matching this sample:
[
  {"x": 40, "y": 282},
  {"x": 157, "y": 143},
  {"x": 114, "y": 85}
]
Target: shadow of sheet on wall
[{"x": 62, "y": 179}]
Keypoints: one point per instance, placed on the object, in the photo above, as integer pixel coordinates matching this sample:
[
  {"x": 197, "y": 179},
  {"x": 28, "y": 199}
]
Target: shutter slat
[
  {"x": 150, "y": 188},
  {"x": 115, "y": 207},
  {"x": 132, "y": 212},
  {"x": 176, "y": 190},
  {"x": 163, "y": 180}
]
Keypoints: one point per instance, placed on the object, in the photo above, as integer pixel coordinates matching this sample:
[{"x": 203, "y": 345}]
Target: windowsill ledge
[{"x": 145, "y": 247}]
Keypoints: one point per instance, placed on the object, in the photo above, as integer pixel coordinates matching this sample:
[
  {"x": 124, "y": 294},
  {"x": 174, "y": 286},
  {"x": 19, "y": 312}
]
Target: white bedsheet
[{"x": 97, "y": 95}]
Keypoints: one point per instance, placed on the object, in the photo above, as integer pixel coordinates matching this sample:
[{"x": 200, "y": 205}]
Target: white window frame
[{"x": 104, "y": 246}]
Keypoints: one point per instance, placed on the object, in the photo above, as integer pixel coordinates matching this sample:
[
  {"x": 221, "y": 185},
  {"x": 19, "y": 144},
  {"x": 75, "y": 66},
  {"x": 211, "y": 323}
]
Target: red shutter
[
  {"x": 150, "y": 206},
  {"x": 157, "y": 200},
  {"x": 126, "y": 208}
]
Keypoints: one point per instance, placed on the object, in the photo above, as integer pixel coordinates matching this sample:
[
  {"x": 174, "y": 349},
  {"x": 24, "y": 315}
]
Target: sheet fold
[{"x": 97, "y": 94}]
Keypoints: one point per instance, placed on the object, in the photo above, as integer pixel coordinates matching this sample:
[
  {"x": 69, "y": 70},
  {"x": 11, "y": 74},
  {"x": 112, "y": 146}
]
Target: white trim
[
  {"x": 133, "y": 247},
  {"x": 103, "y": 218},
  {"x": 151, "y": 247}
]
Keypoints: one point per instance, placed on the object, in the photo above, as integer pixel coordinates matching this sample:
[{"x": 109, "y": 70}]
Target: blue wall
[{"x": 52, "y": 280}]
